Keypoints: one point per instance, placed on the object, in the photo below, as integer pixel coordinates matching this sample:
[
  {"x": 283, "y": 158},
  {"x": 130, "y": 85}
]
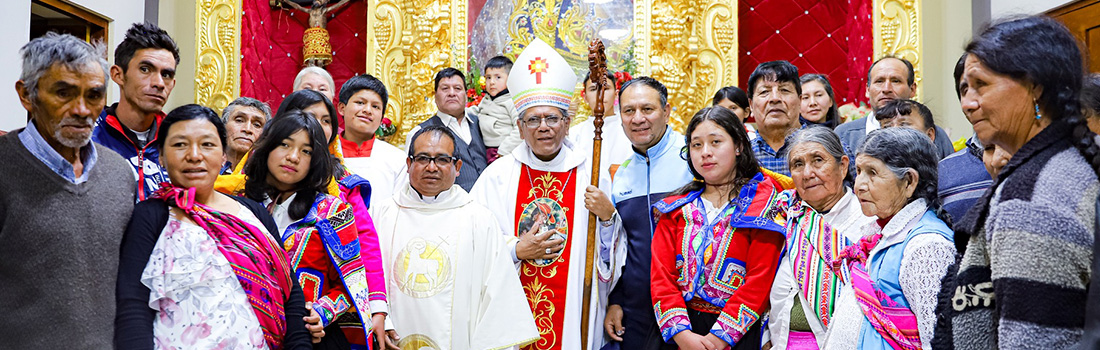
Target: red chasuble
[{"x": 545, "y": 282}]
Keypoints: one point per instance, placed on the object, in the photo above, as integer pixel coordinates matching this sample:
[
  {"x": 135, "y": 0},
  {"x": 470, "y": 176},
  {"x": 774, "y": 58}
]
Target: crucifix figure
[{"x": 316, "y": 50}]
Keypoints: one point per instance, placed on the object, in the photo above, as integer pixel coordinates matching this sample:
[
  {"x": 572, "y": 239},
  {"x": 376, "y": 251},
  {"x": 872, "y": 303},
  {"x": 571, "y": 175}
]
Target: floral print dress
[{"x": 199, "y": 302}]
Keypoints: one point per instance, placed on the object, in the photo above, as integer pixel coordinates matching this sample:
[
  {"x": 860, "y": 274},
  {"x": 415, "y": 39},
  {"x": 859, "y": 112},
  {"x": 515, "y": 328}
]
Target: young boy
[{"x": 496, "y": 112}]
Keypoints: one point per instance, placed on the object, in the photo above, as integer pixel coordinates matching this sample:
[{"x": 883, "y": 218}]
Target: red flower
[{"x": 387, "y": 122}]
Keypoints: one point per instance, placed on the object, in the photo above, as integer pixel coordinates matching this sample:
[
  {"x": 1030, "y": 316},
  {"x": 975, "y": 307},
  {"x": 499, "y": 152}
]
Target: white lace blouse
[{"x": 923, "y": 264}]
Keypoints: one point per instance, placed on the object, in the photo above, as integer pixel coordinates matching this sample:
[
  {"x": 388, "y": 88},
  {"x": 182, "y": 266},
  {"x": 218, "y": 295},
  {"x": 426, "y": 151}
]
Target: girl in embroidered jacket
[
  {"x": 717, "y": 244},
  {"x": 895, "y": 269},
  {"x": 289, "y": 172}
]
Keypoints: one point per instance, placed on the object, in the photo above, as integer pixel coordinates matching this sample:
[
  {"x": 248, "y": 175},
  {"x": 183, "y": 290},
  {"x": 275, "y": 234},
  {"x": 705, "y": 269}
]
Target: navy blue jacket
[
  {"x": 640, "y": 181},
  {"x": 110, "y": 133}
]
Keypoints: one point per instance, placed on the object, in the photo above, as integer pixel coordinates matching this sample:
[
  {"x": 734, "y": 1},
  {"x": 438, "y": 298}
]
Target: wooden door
[{"x": 1082, "y": 17}]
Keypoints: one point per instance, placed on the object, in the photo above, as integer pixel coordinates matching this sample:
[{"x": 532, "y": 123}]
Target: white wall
[
  {"x": 15, "y": 23},
  {"x": 946, "y": 27},
  {"x": 1001, "y": 8}
]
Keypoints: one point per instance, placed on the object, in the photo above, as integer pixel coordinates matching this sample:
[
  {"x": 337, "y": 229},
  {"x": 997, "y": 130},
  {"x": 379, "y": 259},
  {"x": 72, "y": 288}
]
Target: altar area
[{"x": 695, "y": 47}]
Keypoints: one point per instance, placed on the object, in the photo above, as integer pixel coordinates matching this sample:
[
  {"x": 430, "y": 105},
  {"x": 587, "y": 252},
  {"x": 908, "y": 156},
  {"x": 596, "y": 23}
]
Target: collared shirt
[
  {"x": 353, "y": 150},
  {"x": 45, "y": 153},
  {"x": 872, "y": 123},
  {"x": 461, "y": 129},
  {"x": 771, "y": 159}
]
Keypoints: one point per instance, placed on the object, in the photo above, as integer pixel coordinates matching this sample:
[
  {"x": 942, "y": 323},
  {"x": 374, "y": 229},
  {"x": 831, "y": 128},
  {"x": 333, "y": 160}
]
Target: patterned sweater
[{"x": 1023, "y": 280}]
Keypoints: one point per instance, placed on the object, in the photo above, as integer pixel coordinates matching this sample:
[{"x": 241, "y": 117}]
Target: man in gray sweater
[{"x": 64, "y": 204}]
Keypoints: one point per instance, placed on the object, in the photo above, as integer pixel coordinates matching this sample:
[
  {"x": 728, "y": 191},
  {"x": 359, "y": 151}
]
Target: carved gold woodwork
[
  {"x": 217, "y": 52},
  {"x": 690, "y": 46},
  {"x": 408, "y": 41},
  {"x": 897, "y": 33}
]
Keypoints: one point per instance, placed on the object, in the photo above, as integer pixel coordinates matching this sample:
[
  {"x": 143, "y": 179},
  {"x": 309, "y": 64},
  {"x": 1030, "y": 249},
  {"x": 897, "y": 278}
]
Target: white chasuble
[
  {"x": 449, "y": 275},
  {"x": 518, "y": 189}
]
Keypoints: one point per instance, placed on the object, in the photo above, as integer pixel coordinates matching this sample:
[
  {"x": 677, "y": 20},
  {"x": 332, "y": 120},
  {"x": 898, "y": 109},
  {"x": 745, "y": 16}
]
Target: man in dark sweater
[{"x": 64, "y": 204}]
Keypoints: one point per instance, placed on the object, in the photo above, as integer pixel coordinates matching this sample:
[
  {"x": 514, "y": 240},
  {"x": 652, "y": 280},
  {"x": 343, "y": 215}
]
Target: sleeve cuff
[
  {"x": 731, "y": 329},
  {"x": 672, "y": 322},
  {"x": 512, "y": 249},
  {"x": 378, "y": 307}
]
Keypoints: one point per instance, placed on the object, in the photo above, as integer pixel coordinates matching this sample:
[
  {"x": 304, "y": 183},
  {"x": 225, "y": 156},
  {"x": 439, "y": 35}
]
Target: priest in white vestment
[
  {"x": 541, "y": 196},
  {"x": 449, "y": 271}
]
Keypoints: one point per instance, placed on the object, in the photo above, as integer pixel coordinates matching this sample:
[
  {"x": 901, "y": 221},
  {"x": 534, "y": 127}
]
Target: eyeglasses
[
  {"x": 534, "y": 122},
  {"x": 442, "y": 160}
]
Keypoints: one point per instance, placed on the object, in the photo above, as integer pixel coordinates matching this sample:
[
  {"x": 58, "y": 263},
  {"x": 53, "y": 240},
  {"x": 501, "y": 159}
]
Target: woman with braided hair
[
  {"x": 895, "y": 268},
  {"x": 1023, "y": 279}
]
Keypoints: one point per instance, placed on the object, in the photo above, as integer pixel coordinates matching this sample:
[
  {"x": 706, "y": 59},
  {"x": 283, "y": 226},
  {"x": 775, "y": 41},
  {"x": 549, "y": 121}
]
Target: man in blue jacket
[
  {"x": 145, "y": 71},
  {"x": 653, "y": 170}
]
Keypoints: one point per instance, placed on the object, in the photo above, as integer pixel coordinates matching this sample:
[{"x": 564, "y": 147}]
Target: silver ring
[{"x": 548, "y": 250}]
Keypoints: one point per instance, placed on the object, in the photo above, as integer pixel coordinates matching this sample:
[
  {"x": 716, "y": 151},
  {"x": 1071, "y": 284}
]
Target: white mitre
[{"x": 541, "y": 77}]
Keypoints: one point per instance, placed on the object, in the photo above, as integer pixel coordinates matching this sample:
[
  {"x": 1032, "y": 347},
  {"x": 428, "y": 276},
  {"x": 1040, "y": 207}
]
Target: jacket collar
[
  {"x": 109, "y": 118},
  {"x": 662, "y": 146}
]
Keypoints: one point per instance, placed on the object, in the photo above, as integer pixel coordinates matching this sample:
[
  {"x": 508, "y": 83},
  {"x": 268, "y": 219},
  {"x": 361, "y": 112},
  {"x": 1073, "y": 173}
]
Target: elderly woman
[
  {"x": 716, "y": 245},
  {"x": 894, "y": 270},
  {"x": 823, "y": 217},
  {"x": 316, "y": 79},
  {"x": 199, "y": 269},
  {"x": 1023, "y": 279}
]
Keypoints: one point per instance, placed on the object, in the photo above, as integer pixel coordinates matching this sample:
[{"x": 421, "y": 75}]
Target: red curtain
[
  {"x": 271, "y": 47},
  {"x": 831, "y": 37}
]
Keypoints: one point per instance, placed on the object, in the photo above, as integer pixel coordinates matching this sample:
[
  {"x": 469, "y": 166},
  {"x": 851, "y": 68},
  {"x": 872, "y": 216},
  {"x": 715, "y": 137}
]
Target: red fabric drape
[
  {"x": 831, "y": 37},
  {"x": 271, "y": 47}
]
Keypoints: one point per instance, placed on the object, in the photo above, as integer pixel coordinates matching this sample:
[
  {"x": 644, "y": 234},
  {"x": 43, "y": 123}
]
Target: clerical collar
[{"x": 431, "y": 199}]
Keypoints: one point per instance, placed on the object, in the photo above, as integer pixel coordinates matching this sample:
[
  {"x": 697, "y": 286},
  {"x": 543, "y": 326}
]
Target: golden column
[
  {"x": 690, "y": 46},
  {"x": 217, "y": 52},
  {"x": 408, "y": 41},
  {"x": 897, "y": 33}
]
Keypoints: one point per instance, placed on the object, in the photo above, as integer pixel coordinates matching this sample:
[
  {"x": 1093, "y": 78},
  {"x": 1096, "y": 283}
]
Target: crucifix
[{"x": 316, "y": 50}]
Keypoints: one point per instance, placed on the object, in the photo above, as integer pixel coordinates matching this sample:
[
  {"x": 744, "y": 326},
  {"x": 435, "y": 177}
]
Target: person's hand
[
  {"x": 687, "y": 340},
  {"x": 392, "y": 340},
  {"x": 534, "y": 245},
  {"x": 378, "y": 327},
  {"x": 718, "y": 343},
  {"x": 613, "y": 323},
  {"x": 597, "y": 202},
  {"x": 313, "y": 324}
]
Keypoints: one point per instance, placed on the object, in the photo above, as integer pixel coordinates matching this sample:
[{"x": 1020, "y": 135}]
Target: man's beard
[{"x": 76, "y": 141}]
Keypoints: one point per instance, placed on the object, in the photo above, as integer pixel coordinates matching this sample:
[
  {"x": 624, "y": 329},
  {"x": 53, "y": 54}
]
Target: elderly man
[
  {"x": 244, "y": 120},
  {"x": 890, "y": 78},
  {"x": 316, "y": 79},
  {"x": 653, "y": 170},
  {"x": 453, "y": 288},
  {"x": 450, "y": 98},
  {"x": 145, "y": 71},
  {"x": 615, "y": 147},
  {"x": 64, "y": 204},
  {"x": 541, "y": 195},
  {"x": 774, "y": 98}
]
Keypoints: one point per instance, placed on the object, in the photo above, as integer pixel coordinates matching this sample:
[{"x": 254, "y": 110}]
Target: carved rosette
[
  {"x": 897, "y": 33},
  {"x": 408, "y": 42},
  {"x": 217, "y": 52},
  {"x": 690, "y": 46}
]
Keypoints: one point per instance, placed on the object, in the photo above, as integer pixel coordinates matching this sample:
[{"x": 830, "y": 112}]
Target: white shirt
[
  {"x": 872, "y": 123},
  {"x": 460, "y": 127}
]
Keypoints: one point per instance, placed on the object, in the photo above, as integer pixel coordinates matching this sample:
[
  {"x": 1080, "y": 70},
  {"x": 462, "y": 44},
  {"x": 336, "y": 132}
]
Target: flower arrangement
[
  {"x": 851, "y": 112},
  {"x": 475, "y": 83},
  {"x": 621, "y": 78},
  {"x": 386, "y": 129}
]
